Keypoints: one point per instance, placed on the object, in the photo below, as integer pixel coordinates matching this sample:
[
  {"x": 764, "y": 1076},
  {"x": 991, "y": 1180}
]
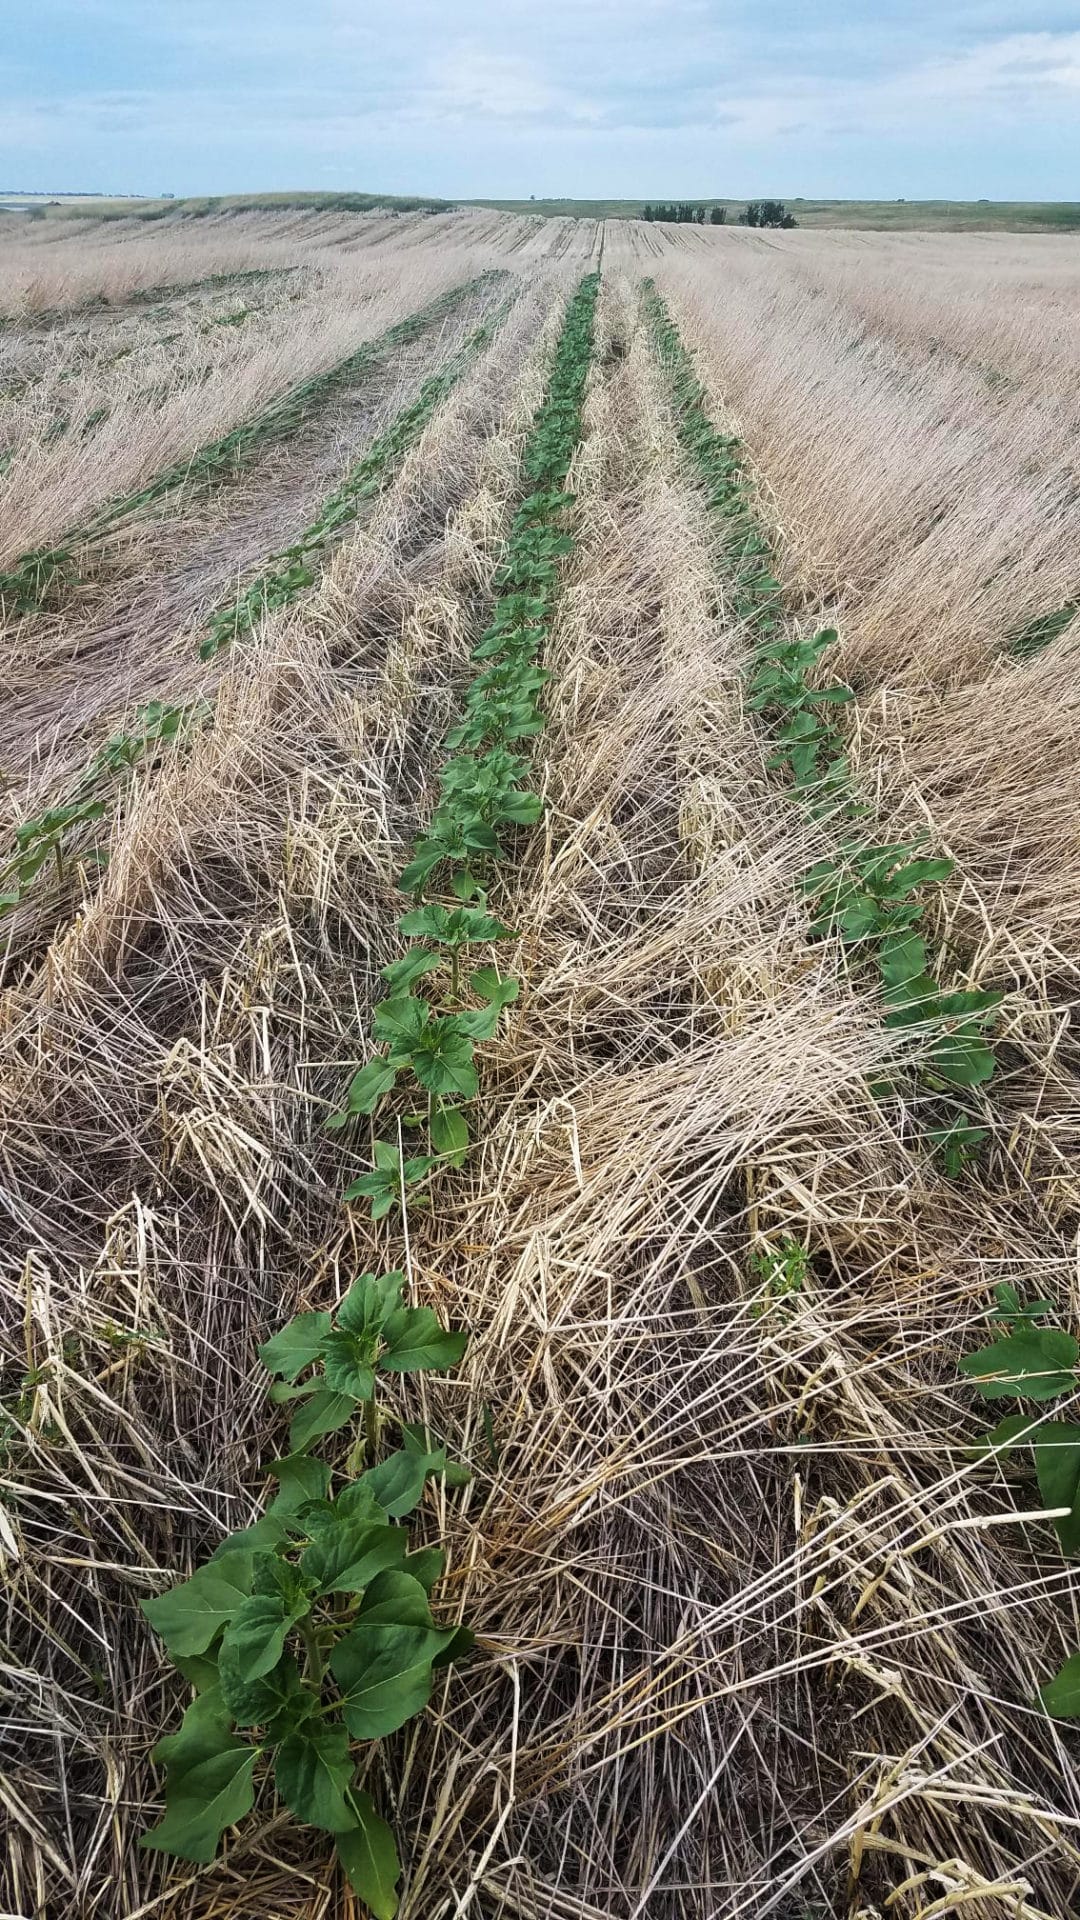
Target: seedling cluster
[
  {"x": 868, "y": 895},
  {"x": 312, "y": 1630}
]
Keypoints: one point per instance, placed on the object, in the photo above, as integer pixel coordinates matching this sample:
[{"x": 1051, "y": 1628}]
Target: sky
[{"x": 620, "y": 99}]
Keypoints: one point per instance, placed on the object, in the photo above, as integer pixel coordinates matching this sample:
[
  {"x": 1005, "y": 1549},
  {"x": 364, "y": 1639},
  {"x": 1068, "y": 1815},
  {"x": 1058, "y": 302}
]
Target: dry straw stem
[
  {"x": 884, "y": 463},
  {"x": 757, "y": 1635},
  {"x": 185, "y": 1039},
  {"x": 79, "y": 674}
]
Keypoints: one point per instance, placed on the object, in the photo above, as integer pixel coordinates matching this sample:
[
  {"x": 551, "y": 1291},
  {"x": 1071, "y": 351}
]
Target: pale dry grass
[
  {"x": 930, "y": 518},
  {"x": 51, "y": 487},
  {"x": 757, "y": 1635}
]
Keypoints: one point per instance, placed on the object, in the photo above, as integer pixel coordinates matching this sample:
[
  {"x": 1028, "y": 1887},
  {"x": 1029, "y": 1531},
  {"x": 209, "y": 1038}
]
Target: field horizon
[{"x": 873, "y": 215}]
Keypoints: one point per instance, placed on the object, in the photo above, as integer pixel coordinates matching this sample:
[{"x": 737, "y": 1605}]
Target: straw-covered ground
[{"x": 760, "y": 1629}]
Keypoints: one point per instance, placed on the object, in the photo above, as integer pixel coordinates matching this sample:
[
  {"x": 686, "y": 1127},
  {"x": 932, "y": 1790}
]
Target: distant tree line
[
  {"x": 683, "y": 211},
  {"x": 767, "y": 213},
  {"x": 758, "y": 213}
]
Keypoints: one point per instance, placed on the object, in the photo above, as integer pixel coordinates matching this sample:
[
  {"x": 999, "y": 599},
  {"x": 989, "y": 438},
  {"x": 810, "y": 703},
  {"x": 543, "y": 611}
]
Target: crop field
[{"x": 539, "y": 1074}]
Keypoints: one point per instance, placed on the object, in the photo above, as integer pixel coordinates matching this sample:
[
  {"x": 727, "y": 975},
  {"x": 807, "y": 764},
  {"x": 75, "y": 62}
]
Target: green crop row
[
  {"x": 23, "y": 587},
  {"x": 290, "y": 571},
  {"x": 41, "y": 840},
  {"x": 312, "y": 1629},
  {"x": 869, "y": 894},
  {"x": 429, "y": 1040}
]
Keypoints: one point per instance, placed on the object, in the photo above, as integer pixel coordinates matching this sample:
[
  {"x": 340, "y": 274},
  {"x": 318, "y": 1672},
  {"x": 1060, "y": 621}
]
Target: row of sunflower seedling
[
  {"x": 869, "y": 894},
  {"x": 24, "y": 586},
  {"x": 313, "y": 1629},
  {"x": 43, "y": 840},
  {"x": 291, "y": 570}
]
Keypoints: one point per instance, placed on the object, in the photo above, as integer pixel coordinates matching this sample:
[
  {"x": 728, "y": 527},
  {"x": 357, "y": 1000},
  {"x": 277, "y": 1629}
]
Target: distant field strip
[
  {"x": 289, "y": 571},
  {"x": 23, "y": 587},
  {"x": 44, "y": 840}
]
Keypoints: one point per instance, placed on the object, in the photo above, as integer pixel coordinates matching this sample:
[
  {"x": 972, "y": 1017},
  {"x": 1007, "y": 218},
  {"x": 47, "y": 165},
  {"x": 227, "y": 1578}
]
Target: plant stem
[{"x": 314, "y": 1653}]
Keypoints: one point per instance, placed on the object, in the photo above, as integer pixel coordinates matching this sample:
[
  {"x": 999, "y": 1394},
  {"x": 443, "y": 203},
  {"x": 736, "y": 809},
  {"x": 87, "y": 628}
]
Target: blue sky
[{"x": 614, "y": 98}]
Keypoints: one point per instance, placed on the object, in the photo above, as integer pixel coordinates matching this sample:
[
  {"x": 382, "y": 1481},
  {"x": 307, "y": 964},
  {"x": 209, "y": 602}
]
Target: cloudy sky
[{"x": 614, "y": 98}]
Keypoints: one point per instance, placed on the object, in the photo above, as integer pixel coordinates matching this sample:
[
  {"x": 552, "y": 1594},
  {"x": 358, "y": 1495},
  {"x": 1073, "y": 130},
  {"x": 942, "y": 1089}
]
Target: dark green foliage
[
  {"x": 431, "y": 1043},
  {"x": 681, "y": 212},
  {"x": 1038, "y": 1364},
  {"x": 767, "y": 213},
  {"x": 313, "y": 1628}
]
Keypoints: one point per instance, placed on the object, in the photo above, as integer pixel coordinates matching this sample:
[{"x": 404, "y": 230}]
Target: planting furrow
[
  {"x": 56, "y": 836},
  {"x": 868, "y": 894},
  {"x": 283, "y": 1572},
  {"x": 24, "y": 586}
]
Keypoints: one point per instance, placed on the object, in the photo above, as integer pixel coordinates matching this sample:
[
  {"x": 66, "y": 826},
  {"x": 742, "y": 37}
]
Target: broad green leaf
[
  {"x": 427, "y": 1566},
  {"x": 301, "y": 1478},
  {"x": 346, "y": 1367},
  {"x": 902, "y": 958},
  {"x": 357, "y": 1502},
  {"x": 268, "y": 1531},
  {"x": 200, "y": 1670},
  {"x": 1001, "y": 1442},
  {"x": 449, "y": 1134},
  {"x": 500, "y": 991},
  {"x": 397, "y": 1483},
  {"x": 1036, "y": 1363},
  {"x": 479, "y": 1023},
  {"x": 916, "y": 873},
  {"x": 963, "y": 1058},
  {"x": 461, "y": 1642},
  {"x": 207, "y": 1799},
  {"x": 420, "y": 1439},
  {"x": 1057, "y": 1465},
  {"x": 401, "y": 1020},
  {"x": 418, "y": 961},
  {"x": 372, "y": 1297},
  {"x": 384, "y": 1672},
  {"x": 255, "y": 1637},
  {"x": 192, "y": 1615},
  {"x": 297, "y": 1346},
  {"x": 1061, "y": 1695},
  {"x": 206, "y": 1730},
  {"x": 367, "y": 1087},
  {"x": 396, "y": 1598},
  {"x": 275, "y": 1699},
  {"x": 369, "y": 1858},
  {"x": 346, "y": 1557},
  {"x": 325, "y": 1412},
  {"x": 312, "y": 1774},
  {"x": 451, "y": 1070},
  {"x": 415, "y": 1341}
]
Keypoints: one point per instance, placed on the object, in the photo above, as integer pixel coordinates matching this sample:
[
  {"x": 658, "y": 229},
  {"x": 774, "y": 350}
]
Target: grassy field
[
  {"x": 539, "y": 1082},
  {"x": 1032, "y": 216}
]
